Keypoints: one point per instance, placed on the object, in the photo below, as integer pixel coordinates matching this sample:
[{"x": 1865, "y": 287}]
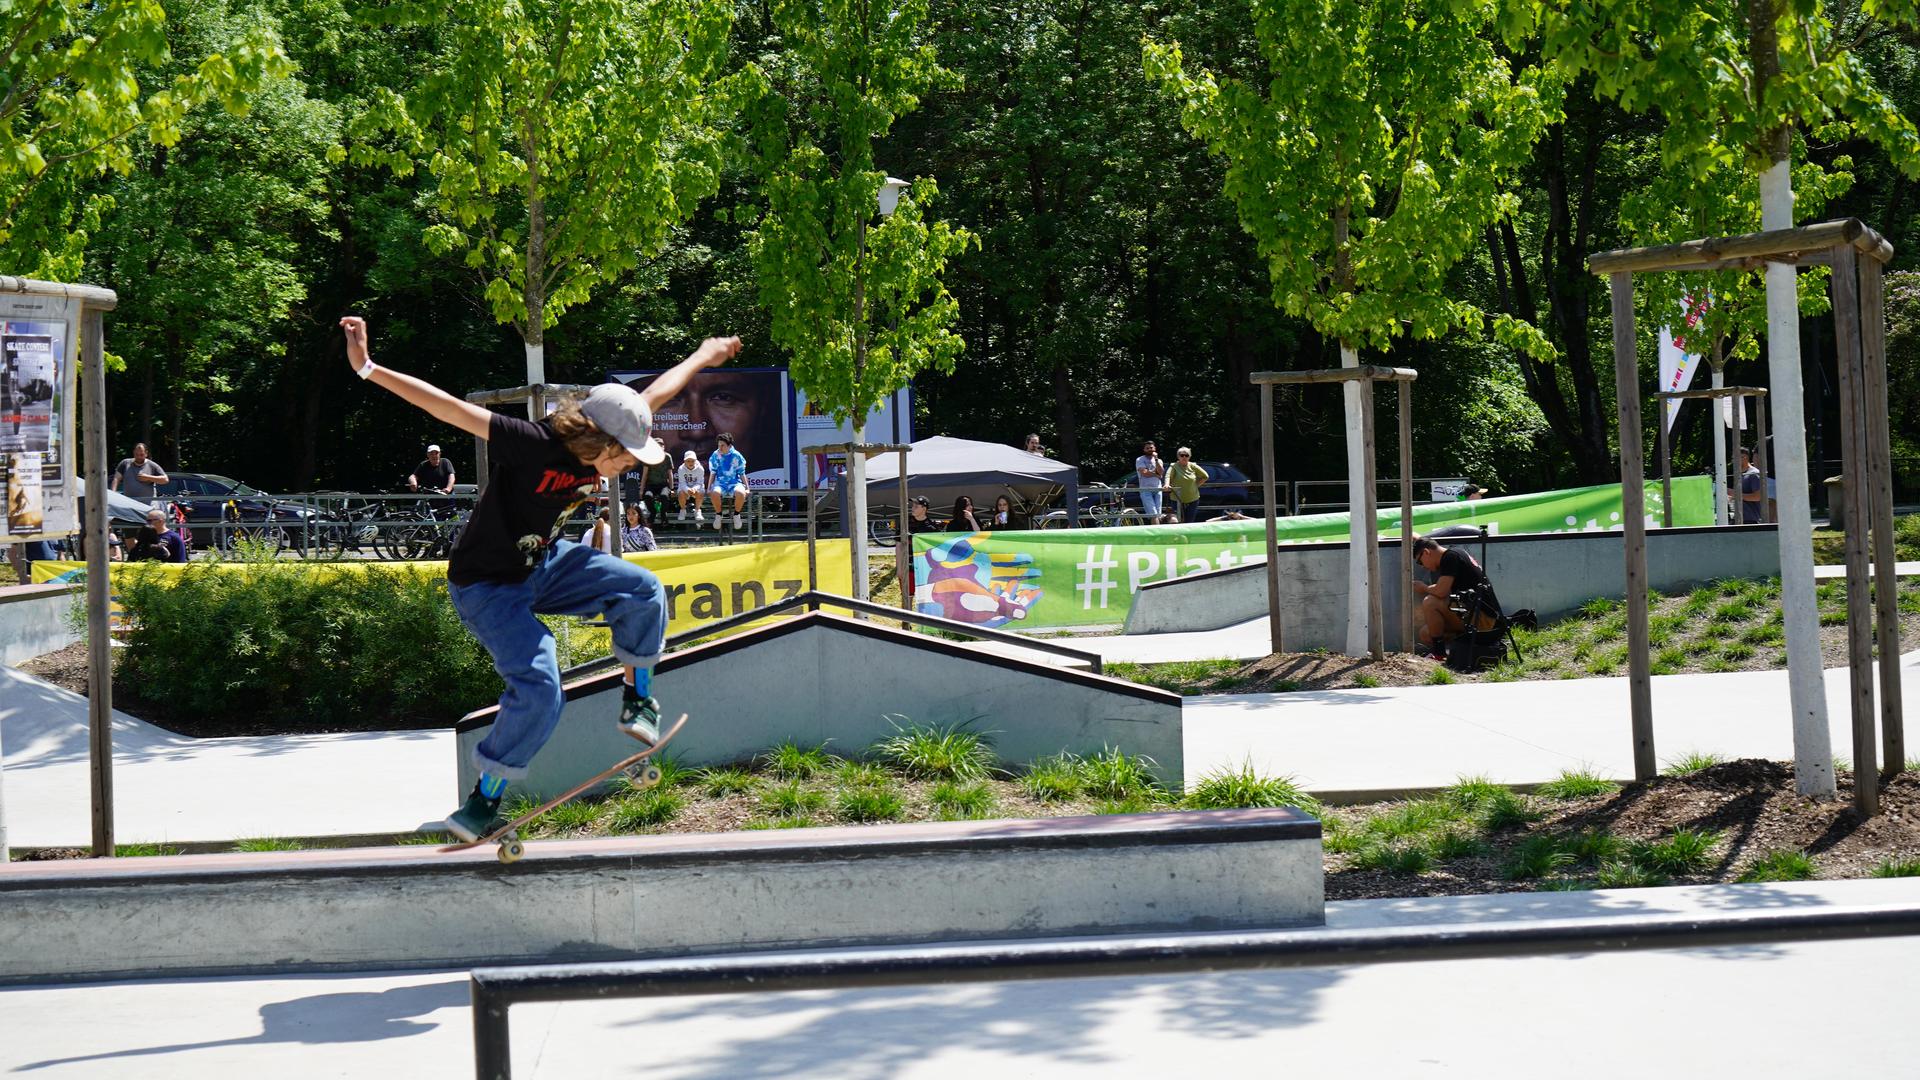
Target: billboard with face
[{"x": 748, "y": 403}]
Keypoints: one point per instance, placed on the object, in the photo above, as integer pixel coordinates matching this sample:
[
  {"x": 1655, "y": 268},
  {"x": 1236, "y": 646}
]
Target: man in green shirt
[{"x": 1184, "y": 479}]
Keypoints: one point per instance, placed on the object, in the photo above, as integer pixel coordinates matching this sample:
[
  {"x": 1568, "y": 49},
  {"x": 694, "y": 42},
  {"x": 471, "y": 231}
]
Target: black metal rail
[
  {"x": 814, "y": 601},
  {"x": 495, "y": 990}
]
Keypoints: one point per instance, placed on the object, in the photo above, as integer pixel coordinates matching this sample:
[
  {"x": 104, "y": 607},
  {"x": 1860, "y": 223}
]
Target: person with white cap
[
  {"x": 511, "y": 563},
  {"x": 435, "y": 474},
  {"x": 689, "y": 482}
]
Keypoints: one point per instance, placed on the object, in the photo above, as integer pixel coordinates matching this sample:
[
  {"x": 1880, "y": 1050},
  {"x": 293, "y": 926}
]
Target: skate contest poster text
[{"x": 1035, "y": 579}]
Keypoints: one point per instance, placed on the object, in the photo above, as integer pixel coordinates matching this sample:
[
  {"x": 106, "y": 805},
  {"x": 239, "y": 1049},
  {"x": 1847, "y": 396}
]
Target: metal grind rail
[
  {"x": 814, "y": 601},
  {"x": 495, "y": 990}
]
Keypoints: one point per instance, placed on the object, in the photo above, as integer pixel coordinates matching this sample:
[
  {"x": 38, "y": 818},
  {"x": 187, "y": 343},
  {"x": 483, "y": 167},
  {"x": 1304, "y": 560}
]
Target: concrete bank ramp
[
  {"x": 410, "y": 907},
  {"x": 819, "y": 678}
]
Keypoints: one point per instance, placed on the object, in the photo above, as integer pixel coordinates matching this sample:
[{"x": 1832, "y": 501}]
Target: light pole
[{"x": 889, "y": 200}]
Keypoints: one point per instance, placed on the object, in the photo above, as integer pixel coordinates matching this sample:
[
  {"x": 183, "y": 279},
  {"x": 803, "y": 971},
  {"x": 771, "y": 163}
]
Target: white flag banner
[{"x": 1676, "y": 370}]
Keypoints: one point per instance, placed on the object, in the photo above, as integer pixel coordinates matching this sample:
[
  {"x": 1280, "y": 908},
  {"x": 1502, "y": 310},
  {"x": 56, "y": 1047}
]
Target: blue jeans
[
  {"x": 574, "y": 580},
  {"x": 1150, "y": 503}
]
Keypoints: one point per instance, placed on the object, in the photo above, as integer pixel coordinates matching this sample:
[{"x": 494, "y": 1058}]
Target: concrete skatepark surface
[
  {"x": 169, "y": 788},
  {"x": 1669, "y": 1012}
]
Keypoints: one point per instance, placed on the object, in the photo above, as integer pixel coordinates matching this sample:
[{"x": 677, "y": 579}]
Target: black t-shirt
[
  {"x": 534, "y": 484},
  {"x": 1465, "y": 572},
  {"x": 433, "y": 477}
]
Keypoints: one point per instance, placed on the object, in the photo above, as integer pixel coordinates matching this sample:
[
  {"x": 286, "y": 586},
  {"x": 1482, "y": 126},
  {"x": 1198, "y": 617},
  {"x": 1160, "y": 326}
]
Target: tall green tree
[
  {"x": 1735, "y": 83},
  {"x": 566, "y": 139},
  {"x": 860, "y": 305},
  {"x": 1366, "y": 161},
  {"x": 83, "y": 84}
]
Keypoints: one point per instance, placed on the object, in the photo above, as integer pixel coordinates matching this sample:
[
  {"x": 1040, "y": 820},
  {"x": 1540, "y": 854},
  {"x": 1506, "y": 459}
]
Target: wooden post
[
  {"x": 813, "y": 563},
  {"x": 1886, "y": 592},
  {"x": 1633, "y": 513},
  {"x": 1369, "y": 511},
  {"x": 99, "y": 588},
  {"x": 1760, "y": 455},
  {"x": 1273, "y": 535},
  {"x": 1406, "y": 513},
  {"x": 1853, "y": 465},
  {"x": 1666, "y": 459},
  {"x": 903, "y": 543}
]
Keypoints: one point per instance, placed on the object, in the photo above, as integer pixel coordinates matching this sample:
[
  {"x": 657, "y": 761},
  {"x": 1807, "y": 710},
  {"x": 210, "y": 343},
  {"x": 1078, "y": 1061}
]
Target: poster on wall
[
  {"x": 38, "y": 358},
  {"x": 892, "y": 422},
  {"x": 748, "y": 403}
]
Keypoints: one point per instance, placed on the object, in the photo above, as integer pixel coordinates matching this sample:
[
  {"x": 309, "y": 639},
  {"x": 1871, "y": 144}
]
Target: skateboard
[{"x": 508, "y": 835}]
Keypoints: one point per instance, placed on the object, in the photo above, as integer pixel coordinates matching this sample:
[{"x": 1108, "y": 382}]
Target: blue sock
[
  {"x": 642, "y": 683},
  {"x": 491, "y": 786}
]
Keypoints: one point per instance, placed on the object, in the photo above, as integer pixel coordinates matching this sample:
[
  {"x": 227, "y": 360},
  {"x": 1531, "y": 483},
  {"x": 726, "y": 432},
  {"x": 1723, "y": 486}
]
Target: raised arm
[
  {"x": 419, "y": 393},
  {"x": 712, "y": 353}
]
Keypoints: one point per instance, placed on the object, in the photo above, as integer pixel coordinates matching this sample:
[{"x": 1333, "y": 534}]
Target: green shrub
[
  {"x": 1455, "y": 844},
  {"x": 720, "y": 783},
  {"x": 266, "y": 844},
  {"x": 1897, "y": 868},
  {"x": 1115, "y": 774},
  {"x": 936, "y": 753},
  {"x": 1685, "y": 852},
  {"x": 1052, "y": 779},
  {"x": 1440, "y": 676},
  {"x": 1398, "y": 858},
  {"x": 952, "y": 801},
  {"x": 1627, "y": 875},
  {"x": 654, "y": 806},
  {"x": 295, "y": 646},
  {"x": 1688, "y": 764},
  {"x": 1241, "y": 788},
  {"x": 791, "y": 761},
  {"x": 1576, "y": 784},
  {"x": 790, "y": 799},
  {"x": 1780, "y": 864},
  {"x": 868, "y": 803},
  {"x": 1594, "y": 847},
  {"x": 1536, "y": 857}
]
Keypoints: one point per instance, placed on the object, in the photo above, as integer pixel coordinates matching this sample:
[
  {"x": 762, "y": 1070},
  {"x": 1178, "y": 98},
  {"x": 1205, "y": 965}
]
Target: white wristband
[{"x": 366, "y": 369}]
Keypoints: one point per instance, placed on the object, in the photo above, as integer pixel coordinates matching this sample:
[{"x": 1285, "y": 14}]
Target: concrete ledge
[
  {"x": 409, "y": 907},
  {"x": 824, "y": 679},
  {"x": 1552, "y": 573},
  {"x": 33, "y": 621}
]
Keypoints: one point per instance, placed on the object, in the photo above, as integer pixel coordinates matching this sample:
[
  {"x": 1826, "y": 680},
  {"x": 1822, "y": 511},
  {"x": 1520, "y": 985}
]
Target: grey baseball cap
[{"x": 620, "y": 411}]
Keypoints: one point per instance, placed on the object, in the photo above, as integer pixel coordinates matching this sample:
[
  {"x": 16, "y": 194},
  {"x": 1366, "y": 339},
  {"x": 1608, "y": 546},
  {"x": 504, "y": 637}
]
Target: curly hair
[{"x": 582, "y": 436}]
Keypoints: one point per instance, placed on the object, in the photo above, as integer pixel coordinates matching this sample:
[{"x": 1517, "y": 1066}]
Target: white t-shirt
[
  {"x": 1147, "y": 483},
  {"x": 689, "y": 478}
]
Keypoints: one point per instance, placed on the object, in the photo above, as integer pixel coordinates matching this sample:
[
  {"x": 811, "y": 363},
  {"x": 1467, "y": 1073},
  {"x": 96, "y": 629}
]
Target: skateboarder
[{"x": 511, "y": 564}]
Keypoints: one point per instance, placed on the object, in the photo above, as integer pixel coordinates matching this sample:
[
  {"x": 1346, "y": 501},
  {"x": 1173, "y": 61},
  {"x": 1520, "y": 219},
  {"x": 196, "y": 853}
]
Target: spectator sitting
[
  {"x": 1231, "y": 515},
  {"x": 1454, "y": 572},
  {"x": 689, "y": 480},
  {"x": 917, "y": 519},
  {"x": 636, "y": 536},
  {"x": 158, "y": 542},
  {"x": 1002, "y": 513},
  {"x": 963, "y": 519},
  {"x": 601, "y": 536}
]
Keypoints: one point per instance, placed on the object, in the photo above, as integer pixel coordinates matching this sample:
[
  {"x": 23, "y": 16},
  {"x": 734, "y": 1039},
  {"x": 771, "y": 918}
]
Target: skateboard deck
[{"x": 507, "y": 836}]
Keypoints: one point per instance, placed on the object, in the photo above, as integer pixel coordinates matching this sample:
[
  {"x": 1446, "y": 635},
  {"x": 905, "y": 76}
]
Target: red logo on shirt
[{"x": 559, "y": 480}]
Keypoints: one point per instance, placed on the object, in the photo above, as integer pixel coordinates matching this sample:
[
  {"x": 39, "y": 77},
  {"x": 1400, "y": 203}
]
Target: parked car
[
  {"x": 221, "y": 510},
  {"x": 1226, "y": 486}
]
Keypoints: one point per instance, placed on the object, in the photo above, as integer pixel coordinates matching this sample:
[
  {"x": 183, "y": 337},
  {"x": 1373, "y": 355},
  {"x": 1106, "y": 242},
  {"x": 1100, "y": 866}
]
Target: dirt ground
[
  {"x": 1329, "y": 671},
  {"x": 1750, "y": 803}
]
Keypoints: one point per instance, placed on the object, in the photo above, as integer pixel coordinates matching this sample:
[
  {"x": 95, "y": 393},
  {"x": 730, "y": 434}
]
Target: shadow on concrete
[{"x": 319, "y": 1018}]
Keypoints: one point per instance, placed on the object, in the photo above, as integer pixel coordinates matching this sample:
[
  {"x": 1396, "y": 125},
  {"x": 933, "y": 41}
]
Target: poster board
[
  {"x": 39, "y": 363},
  {"x": 892, "y": 423},
  {"x": 748, "y": 403}
]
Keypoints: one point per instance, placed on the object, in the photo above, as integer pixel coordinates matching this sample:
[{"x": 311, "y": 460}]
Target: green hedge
[{"x": 294, "y": 647}]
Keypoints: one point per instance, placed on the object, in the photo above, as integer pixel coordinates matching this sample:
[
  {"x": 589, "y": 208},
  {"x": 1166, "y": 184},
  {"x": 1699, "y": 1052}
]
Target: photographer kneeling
[{"x": 1454, "y": 572}]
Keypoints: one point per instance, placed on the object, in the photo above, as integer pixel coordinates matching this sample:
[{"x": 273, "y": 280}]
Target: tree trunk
[
  {"x": 534, "y": 291},
  {"x": 1812, "y": 744}
]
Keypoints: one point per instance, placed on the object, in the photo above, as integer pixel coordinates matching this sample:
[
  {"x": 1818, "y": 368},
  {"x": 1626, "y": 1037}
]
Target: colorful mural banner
[
  {"x": 704, "y": 584},
  {"x": 1087, "y": 577}
]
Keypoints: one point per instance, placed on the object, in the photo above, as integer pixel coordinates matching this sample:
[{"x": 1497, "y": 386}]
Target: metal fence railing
[{"x": 495, "y": 990}]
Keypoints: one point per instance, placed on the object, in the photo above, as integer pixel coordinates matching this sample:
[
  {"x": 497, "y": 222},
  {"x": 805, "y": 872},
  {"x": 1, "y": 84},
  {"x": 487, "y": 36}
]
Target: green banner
[{"x": 1087, "y": 577}]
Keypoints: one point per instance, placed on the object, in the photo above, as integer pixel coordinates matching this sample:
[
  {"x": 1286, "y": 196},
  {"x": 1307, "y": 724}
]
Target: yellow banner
[{"x": 704, "y": 584}]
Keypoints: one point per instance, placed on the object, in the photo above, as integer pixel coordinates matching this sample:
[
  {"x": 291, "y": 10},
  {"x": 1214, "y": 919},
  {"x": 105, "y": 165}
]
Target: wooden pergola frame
[
  {"x": 1858, "y": 256},
  {"x": 1366, "y": 375},
  {"x": 1739, "y": 394}
]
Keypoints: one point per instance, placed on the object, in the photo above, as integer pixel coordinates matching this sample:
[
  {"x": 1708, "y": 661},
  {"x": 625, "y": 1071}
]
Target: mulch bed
[{"x": 1751, "y": 803}]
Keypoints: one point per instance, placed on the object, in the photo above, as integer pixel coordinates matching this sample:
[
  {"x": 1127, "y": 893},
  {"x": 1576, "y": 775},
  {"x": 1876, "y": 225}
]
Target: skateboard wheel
[
  {"x": 511, "y": 850},
  {"x": 650, "y": 776}
]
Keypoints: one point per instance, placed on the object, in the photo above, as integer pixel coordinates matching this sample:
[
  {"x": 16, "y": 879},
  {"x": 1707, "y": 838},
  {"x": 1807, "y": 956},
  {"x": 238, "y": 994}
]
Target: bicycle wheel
[{"x": 411, "y": 539}]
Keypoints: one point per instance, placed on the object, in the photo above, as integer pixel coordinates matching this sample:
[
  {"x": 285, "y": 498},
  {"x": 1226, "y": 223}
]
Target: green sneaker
[
  {"x": 476, "y": 818},
  {"x": 640, "y": 718}
]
